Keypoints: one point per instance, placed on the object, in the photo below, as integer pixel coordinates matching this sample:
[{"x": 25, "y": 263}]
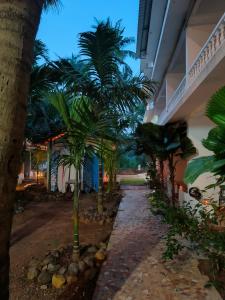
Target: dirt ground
[{"x": 45, "y": 226}]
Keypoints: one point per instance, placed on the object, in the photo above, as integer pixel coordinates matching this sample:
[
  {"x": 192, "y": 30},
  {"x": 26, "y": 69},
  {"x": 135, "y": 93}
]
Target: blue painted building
[{"x": 90, "y": 174}]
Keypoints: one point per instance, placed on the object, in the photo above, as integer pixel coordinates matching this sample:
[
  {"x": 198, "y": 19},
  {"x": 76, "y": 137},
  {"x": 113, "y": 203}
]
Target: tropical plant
[
  {"x": 43, "y": 120},
  {"x": 149, "y": 140},
  {"x": 197, "y": 224},
  {"x": 19, "y": 24},
  {"x": 100, "y": 72},
  {"x": 215, "y": 142},
  {"x": 165, "y": 143},
  {"x": 84, "y": 134}
]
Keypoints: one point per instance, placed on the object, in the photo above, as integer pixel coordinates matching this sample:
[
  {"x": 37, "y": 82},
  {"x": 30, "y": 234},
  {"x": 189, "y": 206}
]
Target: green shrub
[{"x": 195, "y": 223}]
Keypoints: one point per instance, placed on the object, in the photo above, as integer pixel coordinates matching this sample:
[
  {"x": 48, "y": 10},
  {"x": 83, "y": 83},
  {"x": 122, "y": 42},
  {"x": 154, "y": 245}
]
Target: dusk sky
[{"x": 59, "y": 29}]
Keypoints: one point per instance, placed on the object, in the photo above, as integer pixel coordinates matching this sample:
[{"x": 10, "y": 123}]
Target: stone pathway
[{"x": 135, "y": 270}]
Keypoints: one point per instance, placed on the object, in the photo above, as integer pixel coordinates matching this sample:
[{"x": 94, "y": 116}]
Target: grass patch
[{"x": 135, "y": 181}]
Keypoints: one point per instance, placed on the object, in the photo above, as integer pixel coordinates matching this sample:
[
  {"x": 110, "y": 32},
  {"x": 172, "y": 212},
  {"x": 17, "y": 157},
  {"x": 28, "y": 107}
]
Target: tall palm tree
[
  {"x": 19, "y": 21},
  {"x": 100, "y": 72}
]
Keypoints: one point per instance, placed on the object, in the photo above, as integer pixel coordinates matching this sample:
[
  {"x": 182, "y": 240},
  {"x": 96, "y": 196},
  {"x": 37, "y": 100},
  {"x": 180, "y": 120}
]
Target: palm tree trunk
[
  {"x": 19, "y": 22},
  {"x": 100, "y": 187},
  {"x": 110, "y": 183},
  {"x": 172, "y": 179},
  {"x": 76, "y": 244},
  {"x": 37, "y": 173},
  {"x": 49, "y": 170},
  {"x": 161, "y": 170}
]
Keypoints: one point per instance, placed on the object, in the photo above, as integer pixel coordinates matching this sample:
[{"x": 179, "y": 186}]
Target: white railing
[
  {"x": 177, "y": 94},
  {"x": 214, "y": 42},
  {"x": 173, "y": 100}
]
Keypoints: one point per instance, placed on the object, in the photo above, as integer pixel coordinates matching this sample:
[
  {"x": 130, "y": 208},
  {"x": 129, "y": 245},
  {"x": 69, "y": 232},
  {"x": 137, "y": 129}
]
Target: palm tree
[
  {"x": 166, "y": 143},
  {"x": 42, "y": 120},
  {"x": 149, "y": 139},
  {"x": 84, "y": 134},
  {"x": 100, "y": 72},
  {"x": 19, "y": 24}
]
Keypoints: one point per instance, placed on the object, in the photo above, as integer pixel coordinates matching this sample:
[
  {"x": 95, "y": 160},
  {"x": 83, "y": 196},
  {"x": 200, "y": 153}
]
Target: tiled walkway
[{"x": 134, "y": 269}]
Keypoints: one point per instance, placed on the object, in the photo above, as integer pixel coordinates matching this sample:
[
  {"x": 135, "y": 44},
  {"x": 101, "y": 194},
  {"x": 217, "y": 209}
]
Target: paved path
[{"x": 135, "y": 270}]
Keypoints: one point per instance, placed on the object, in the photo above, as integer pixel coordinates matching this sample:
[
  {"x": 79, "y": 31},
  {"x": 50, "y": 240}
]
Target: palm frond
[
  {"x": 52, "y": 4},
  {"x": 216, "y": 107}
]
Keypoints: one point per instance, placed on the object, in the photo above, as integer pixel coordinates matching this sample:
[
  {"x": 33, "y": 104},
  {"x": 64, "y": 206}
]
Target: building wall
[
  {"x": 196, "y": 36},
  {"x": 199, "y": 126}
]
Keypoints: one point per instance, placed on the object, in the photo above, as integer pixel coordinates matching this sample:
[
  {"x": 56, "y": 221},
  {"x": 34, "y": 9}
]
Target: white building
[{"x": 181, "y": 44}]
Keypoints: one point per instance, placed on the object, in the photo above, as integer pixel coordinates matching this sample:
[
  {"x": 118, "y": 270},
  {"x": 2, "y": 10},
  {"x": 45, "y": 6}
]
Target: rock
[
  {"x": 61, "y": 250},
  {"x": 53, "y": 268},
  {"x": 73, "y": 269},
  {"x": 90, "y": 274},
  {"x": 34, "y": 263},
  {"x": 62, "y": 270},
  {"x": 100, "y": 255},
  {"x": 103, "y": 246},
  {"x": 32, "y": 273},
  {"x": 71, "y": 279},
  {"x": 92, "y": 249},
  {"x": 58, "y": 281},
  {"x": 89, "y": 261},
  {"x": 146, "y": 292},
  {"x": 109, "y": 220},
  {"x": 45, "y": 277},
  {"x": 44, "y": 268},
  {"x": 101, "y": 222},
  {"x": 56, "y": 254},
  {"x": 43, "y": 287},
  {"x": 48, "y": 260},
  {"x": 19, "y": 209},
  {"x": 82, "y": 266}
]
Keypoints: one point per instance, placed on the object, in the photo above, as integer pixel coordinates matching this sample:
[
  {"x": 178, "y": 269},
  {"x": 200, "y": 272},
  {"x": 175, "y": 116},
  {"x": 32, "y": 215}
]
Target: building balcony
[{"x": 202, "y": 78}]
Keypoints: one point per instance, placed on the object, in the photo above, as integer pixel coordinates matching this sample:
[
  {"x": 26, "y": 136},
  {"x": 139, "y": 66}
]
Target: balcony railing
[
  {"x": 215, "y": 41},
  {"x": 177, "y": 95},
  {"x": 212, "y": 45}
]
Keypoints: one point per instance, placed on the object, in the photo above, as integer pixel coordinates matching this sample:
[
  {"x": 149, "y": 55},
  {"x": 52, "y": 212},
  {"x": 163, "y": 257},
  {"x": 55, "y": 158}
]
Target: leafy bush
[{"x": 193, "y": 223}]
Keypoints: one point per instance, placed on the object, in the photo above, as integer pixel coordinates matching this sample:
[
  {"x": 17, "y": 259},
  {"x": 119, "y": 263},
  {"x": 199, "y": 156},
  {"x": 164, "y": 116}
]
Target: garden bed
[{"x": 46, "y": 225}]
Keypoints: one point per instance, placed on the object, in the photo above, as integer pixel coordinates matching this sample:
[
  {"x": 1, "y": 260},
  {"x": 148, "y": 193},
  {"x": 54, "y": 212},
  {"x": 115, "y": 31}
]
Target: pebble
[
  {"x": 73, "y": 269},
  {"x": 44, "y": 287}
]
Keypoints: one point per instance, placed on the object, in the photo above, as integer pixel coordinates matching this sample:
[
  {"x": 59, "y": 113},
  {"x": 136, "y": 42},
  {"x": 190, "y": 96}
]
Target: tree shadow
[{"x": 38, "y": 220}]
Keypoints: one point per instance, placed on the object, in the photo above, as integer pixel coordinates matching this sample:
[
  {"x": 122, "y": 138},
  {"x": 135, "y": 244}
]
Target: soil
[
  {"x": 217, "y": 279},
  {"x": 46, "y": 225}
]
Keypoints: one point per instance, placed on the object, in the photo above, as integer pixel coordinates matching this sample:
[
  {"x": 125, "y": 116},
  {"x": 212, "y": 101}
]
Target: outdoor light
[{"x": 205, "y": 201}]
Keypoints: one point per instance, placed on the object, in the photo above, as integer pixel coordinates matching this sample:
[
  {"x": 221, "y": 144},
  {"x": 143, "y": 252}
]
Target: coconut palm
[
  {"x": 85, "y": 131},
  {"x": 19, "y": 24},
  {"x": 43, "y": 120}
]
